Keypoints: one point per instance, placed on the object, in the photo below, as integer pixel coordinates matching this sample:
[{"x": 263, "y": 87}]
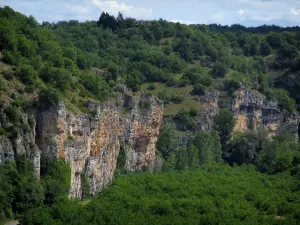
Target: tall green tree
[{"x": 224, "y": 123}]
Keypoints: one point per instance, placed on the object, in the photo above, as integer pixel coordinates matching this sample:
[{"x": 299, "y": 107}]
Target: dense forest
[{"x": 217, "y": 177}]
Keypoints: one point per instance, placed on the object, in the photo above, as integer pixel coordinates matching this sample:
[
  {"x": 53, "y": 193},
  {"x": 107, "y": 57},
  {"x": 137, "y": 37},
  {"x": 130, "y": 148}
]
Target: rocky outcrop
[
  {"x": 253, "y": 111},
  {"x": 209, "y": 102},
  {"x": 17, "y": 136},
  {"x": 91, "y": 142}
]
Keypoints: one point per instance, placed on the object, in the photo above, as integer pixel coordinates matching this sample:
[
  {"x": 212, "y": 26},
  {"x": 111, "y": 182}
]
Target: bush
[
  {"x": 232, "y": 86},
  {"x": 164, "y": 96},
  {"x": 48, "y": 97},
  {"x": 193, "y": 112},
  {"x": 177, "y": 99},
  {"x": 12, "y": 114},
  {"x": 27, "y": 74},
  {"x": 198, "y": 89},
  {"x": 219, "y": 70},
  {"x": 184, "y": 121},
  {"x": 151, "y": 87},
  {"x": 284, "y": 101},
  {"x": 2, "y": 84}
]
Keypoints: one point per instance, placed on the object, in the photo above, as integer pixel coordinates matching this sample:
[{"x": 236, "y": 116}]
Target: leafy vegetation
[
  {"x": 79, "y": 62},
  {"x": 210, "y": 195}
]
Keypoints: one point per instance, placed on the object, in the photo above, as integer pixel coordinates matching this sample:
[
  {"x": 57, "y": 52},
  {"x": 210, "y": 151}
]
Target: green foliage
[
  {"x": 48, "y": 97},
  {"x": 219, "y": 70},
  {"x": 199, "y": 89},
  {"x": 96, "y": 85},
  {"x": 280, "y": 154},
  {"x": 210, "y": 195},
  {"x": 223, "y": 125},
  {"x": 58, "y": 77},
  {"x": 2, "y": 84},
  {"x": 184, "y": 121},
  {"x": 167, "y": 141},
  {"x": 284, "y": 101},
  {"x": 55, "y": 178},
  {"x": 209, "y": 147},
  {"x": 193, "y": 112},
  {"x": 12, "y": 114},
  {"x": 19, "y": 188},
  {"x": 243, "y": 148},
  {"x": 265, "y": 49},
  {"x": 27, "y": 74},
  {"x": 193, "y": 158}
]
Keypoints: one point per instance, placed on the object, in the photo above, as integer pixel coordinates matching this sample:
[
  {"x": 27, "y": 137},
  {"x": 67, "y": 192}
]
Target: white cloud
[
  {"x": 241, "y": 12},
  {"x": 77, "y": 8},
  {"x": 295, "y": 12},
  {"x": 114, "y": 7}
]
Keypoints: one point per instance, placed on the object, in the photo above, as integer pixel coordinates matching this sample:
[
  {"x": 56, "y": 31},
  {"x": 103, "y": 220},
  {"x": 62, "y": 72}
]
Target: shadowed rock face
[
  {"x": 20, "y": 141},
  {"x": 91, "y": 143},
  {"x": 254, "y": 111}
]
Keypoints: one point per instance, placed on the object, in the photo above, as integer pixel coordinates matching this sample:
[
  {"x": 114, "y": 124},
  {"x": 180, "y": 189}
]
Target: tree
[
  {"x": 198, "y": 89},
  {"x": 181, "y": 159},
  {"x": 193, "y": 157},
  {"x": 219, "y": 70},
  {"x": 27, "y": 74},
  {"x": 209, "y": 147},
  {"x": 265, "y": 49},
  {"x": 224, "y": 123},
  {"x": 184, "y": 121},
  {"x": 167, "y": 141},
  {"x": 108, "y": 21},
  {"x": 243, "y": 148}
]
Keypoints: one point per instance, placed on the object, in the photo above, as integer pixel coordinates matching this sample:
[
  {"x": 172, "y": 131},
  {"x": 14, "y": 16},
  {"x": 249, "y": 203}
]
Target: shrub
[
  {"x": 144, "y": 104},
  {"x": 219, "y": 70},
  {"x": 27, "y": 74},
  {"x": 164, "y": 96},
  {"x": 193, "y": 112},
  {"x": 12, "y": 113},
  {"x": 184, "y": 121},
  {"x": 177, "y": 99},
  {"x": 3, "y": 132},
  {"x": 2, "y": 84},
  {"x": 48, "y": 97},
  {"x": 151, "y": 87},
  {"x": 284, "y": 101},
  {"x": 198, "y": 89}
]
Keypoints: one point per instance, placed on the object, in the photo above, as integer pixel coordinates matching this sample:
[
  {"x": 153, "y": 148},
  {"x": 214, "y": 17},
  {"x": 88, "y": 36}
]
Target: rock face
[
  {"x": 254, "y": 111},
  {"x": 18, "y": 138},
  {"x": 91, "y": 143},
  {"x": 209, "y": 102}
]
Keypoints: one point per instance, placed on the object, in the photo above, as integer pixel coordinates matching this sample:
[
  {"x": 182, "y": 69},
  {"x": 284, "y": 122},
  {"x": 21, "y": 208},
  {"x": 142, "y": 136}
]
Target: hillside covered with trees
[{"x": 217, "y": 177}]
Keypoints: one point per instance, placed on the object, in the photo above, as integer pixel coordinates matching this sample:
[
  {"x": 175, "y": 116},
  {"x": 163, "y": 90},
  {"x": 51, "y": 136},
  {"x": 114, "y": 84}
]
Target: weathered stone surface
[
  {"x": 210, "y": 108},
  {"x": 253, "y": 111},
  {"x": 91, "y": 143},
  {"x": 21, "y": 139}
]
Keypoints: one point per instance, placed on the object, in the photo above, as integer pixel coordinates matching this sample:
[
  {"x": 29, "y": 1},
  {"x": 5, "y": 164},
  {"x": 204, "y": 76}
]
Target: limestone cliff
[
  {"x": 254, "y": 111},
  {"x": 91, "y": 142},
  {"x": 17, "y": 136}
]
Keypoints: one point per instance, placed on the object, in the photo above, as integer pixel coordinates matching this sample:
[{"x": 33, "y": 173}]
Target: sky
[{"x": 225, "y": 12}]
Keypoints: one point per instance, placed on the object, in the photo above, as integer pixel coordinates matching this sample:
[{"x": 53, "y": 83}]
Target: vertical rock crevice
[{"x": 91, "y": 143}]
